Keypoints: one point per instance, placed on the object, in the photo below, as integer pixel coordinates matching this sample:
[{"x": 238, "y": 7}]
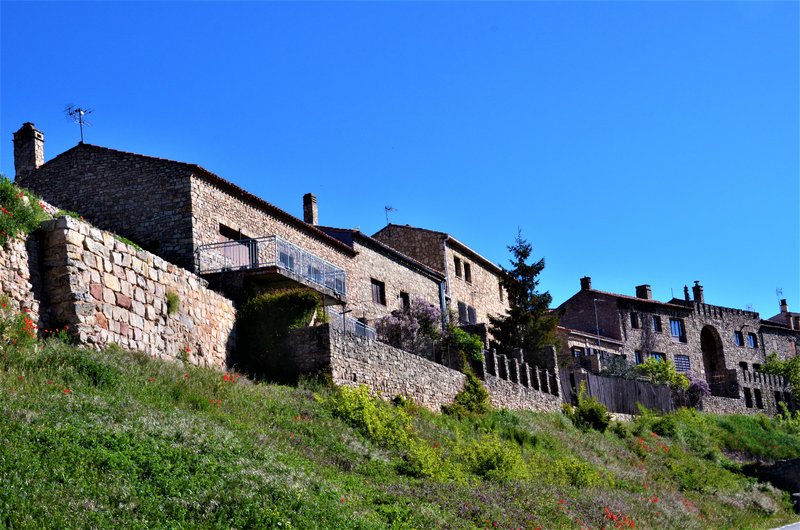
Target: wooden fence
[{"x": 618, "y": 394}]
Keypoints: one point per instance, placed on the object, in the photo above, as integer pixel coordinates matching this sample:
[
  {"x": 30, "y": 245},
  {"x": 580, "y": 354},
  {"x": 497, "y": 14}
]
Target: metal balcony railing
[
  {"x": 270, "y": 251},
  {"x": 350, "y": 325}
]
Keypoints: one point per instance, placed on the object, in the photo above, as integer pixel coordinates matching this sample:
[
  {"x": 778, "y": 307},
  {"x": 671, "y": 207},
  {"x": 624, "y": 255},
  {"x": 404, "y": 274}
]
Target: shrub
[
  {"x": 17, "y": 329},
  {"x": 589, "y": 414},
  {"x": 659, "y": 371},
  {"x": 789, "y": 368},
  {"x": 470, "y": 346},
  {"x": 173, "y": 302},
  {"x": 263, "y": 323},
  {"x": 473, "y": 399},
  {"x": 379, "y": 421},
  {"x": 416, "y": 329},
  {"x": 490, "y": 457},
  {"x": 20, "y": 212}
]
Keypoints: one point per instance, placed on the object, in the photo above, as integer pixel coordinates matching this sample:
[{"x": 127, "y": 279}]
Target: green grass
[{"x": 113, "y": 439}]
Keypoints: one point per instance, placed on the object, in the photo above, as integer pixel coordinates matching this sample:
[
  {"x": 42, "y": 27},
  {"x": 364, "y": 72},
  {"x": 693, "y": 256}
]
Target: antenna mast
[
  {"x": 77, "y": 115},
  {"x": 386, "y": 210}
]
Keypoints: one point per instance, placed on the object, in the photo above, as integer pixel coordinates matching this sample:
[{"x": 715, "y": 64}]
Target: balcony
[{"x": 271, "y": 254}]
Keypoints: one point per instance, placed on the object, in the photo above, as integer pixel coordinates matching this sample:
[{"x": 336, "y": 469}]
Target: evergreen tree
[{"x": 528, "y": 323}]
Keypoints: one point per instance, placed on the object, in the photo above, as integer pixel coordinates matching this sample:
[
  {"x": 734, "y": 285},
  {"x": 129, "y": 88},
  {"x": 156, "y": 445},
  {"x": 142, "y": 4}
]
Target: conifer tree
[{"x": 528, "y": 324}]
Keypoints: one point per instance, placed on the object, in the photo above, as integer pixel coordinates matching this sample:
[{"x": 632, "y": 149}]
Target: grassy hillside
[{"x": 115, "y": 439}]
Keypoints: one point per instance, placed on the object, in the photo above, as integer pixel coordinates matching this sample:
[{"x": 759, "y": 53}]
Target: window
[
  {"x": 467, "y": 272},
  {"x": 378, "y": 292},
  {"x": 472, "y": 315},
  {"x": 462, "y": 313},
  {"x": 635, "y": 320},
  {"x": 677, "y": 330},
  {"x": 500, "y": 290},
  {"x": 457, "y": 262},
  {"x": 757, "y": 395},
  {"x": 577, "y": 352},
  {"x": 637, "y": 357},
  {"x": 738, "y": 339},
  {"x": 660, "y": 357},
  {"x": 743, "y": 366},
  {"x": 682, "y": 363},
  {"x": 405, "y": 301},
  {"x": 752, "y": 340},
  {"x": 657, "y": 323}
]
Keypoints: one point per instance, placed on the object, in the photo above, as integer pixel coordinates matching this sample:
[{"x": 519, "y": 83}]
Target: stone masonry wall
[
  {"x": 213, "y": 206},
  {"x": 396, "y": 276},
  {"x": 422, "y": 245},
  {"x": 482, "y": 291},
  {"x": 354, "y": 360},
  {"x": 18, "y": 273},
  {"x": 109, "y": 292},
  {"x": 145, "y": 199}
]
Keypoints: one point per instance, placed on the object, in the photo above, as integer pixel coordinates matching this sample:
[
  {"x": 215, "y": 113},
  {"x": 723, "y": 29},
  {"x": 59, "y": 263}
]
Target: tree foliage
[
  {"x": 789, "y": 368},
  {"x": 528, "y": 324}
]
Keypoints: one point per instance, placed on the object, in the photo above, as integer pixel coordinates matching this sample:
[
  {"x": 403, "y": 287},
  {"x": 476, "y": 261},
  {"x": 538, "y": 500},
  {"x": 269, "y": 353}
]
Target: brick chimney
[
  {"x": 586, "y": 283},
  {"x": 697, "y": 290},
  {"x": 310, "y": 212},
  {"x": 784, "y": 306},
  {"x": 644, "y": 291},
  {"x": 686, "y": 293},
  {"x": 28, "y": 150}
]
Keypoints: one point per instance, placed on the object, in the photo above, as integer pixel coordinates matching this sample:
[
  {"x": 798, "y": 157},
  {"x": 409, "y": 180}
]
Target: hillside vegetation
[{"x": 113, "y": 439}]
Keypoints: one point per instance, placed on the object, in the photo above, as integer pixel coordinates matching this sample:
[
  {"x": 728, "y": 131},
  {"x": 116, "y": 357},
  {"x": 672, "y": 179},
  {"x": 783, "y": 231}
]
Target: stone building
[
  {"x": 473, "y": 290},
  {"x": 381, "y": 279},
  {"x": 725, "y": 346},
  {"x": 185, "y": 214}
]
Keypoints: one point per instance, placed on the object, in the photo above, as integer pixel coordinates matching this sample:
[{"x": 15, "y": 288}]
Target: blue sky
[{"x": 634, "y": 142}]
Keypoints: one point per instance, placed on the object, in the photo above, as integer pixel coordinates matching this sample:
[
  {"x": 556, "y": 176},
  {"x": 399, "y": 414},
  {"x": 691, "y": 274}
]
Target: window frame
[
  {"x": 378, "y": 292},
  {"x": 752, "y": 340},
  {"x": 738, "y": 338},
  {"x": 457, "y": 266},
  {"x": 683, "y": 363},
  {"x": 635, "y": 322},
  {"x": 467, "y": 272},
  {"x": 677, "y": 329},
  {"x": 657, "y": 327}
]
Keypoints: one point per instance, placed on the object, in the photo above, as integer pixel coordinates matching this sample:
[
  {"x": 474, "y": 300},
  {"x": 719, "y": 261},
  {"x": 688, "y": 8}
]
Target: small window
[
  {"x": 660, "y": 357},
  {"x": 378, "y": 292},
  {"x": 637, "y": 357},
  {"x": 457, "y": 262},
  {"x": 748, "y": 398},
  {"x": 467, "y": 272},
  {"x": 743, "y": 366},
  {"x": 500, "y": 290},
  {"x": 752, "y": 340},
  {"x": 738, "y": 338},
  {"x": 757, "y": 395},
  {"x": 577, "y": 352},
  {"x": 677, "y": 330},
  {"x": 405, "y": 301},
  {"x": 462, "y": 313},
  {"x": 682, "y": 363},
  {"x": 472, "y": 315},
  {"x": 635, "y": 320},
  {"x": 657, "y": 323}
]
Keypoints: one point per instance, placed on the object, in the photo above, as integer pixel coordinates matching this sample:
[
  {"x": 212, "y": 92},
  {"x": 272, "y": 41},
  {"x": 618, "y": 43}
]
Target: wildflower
[
  {"x": 67, "y": 391},
  {"x": 50, "y": 382},
  {"x": 342, "y": 499},
  {"x": 186, "y": 376},
  {"x": 226, "y": 377},
  {"x": 19, "y": 378},
  {"x": 151, "y": 379}
]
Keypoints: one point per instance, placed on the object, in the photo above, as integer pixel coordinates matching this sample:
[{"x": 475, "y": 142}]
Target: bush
[
  {"x": 489, "y": 457},
  {"x": 789, "y": 368},
  {"x": 416, "y": 329},
  {"x": 382, "y": 423},
  {"x": 173, "y": 302},
  {"x": 20, "y": 212},
  {"x": 659, "y": 371},
  {"x": 263, "y": 323},
  {"x": 589, "y": 414},
  {"x": 473, "y": 399},
  {"x": 470, "y": 346},
  {"x": 17, "y": 329}
]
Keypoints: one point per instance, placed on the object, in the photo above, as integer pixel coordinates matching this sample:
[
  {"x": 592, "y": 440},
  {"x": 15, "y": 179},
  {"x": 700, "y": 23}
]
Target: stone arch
[{"x": 713, "y": 354}]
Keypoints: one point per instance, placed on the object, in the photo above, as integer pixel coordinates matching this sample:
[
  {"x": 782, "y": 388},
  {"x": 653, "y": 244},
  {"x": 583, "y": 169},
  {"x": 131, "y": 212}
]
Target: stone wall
[
  {"x": 214, "y": 205},
  {"x": 396, "y": 276},
  {"x": 354, "y": 360},
  {"x": 19, "y": 278},
  {"x": 109, "y": 292},
  {"x": 481, "y": 290},
  {"x": 145, "y": 199},
  {"x": 425, "y": 246}
]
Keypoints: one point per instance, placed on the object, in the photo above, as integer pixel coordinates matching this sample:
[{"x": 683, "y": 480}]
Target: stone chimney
[
  {"x": 28, "y": 150},
  {"x": 686, "y": 293},
  {"x": 784, "y": 306},
  {"x": 697, "y": 290},
  {"x": 644, "y": 291},
  {"x": 586, "y": 283},
  {"x": 310, "y": 212}
]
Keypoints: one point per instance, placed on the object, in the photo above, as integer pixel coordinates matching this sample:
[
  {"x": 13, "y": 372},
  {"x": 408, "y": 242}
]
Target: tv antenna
[
  {"x": 77, "y": 115},
  {"x": 388, "y": 209},
  {"x": 778, "y": 292}
]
